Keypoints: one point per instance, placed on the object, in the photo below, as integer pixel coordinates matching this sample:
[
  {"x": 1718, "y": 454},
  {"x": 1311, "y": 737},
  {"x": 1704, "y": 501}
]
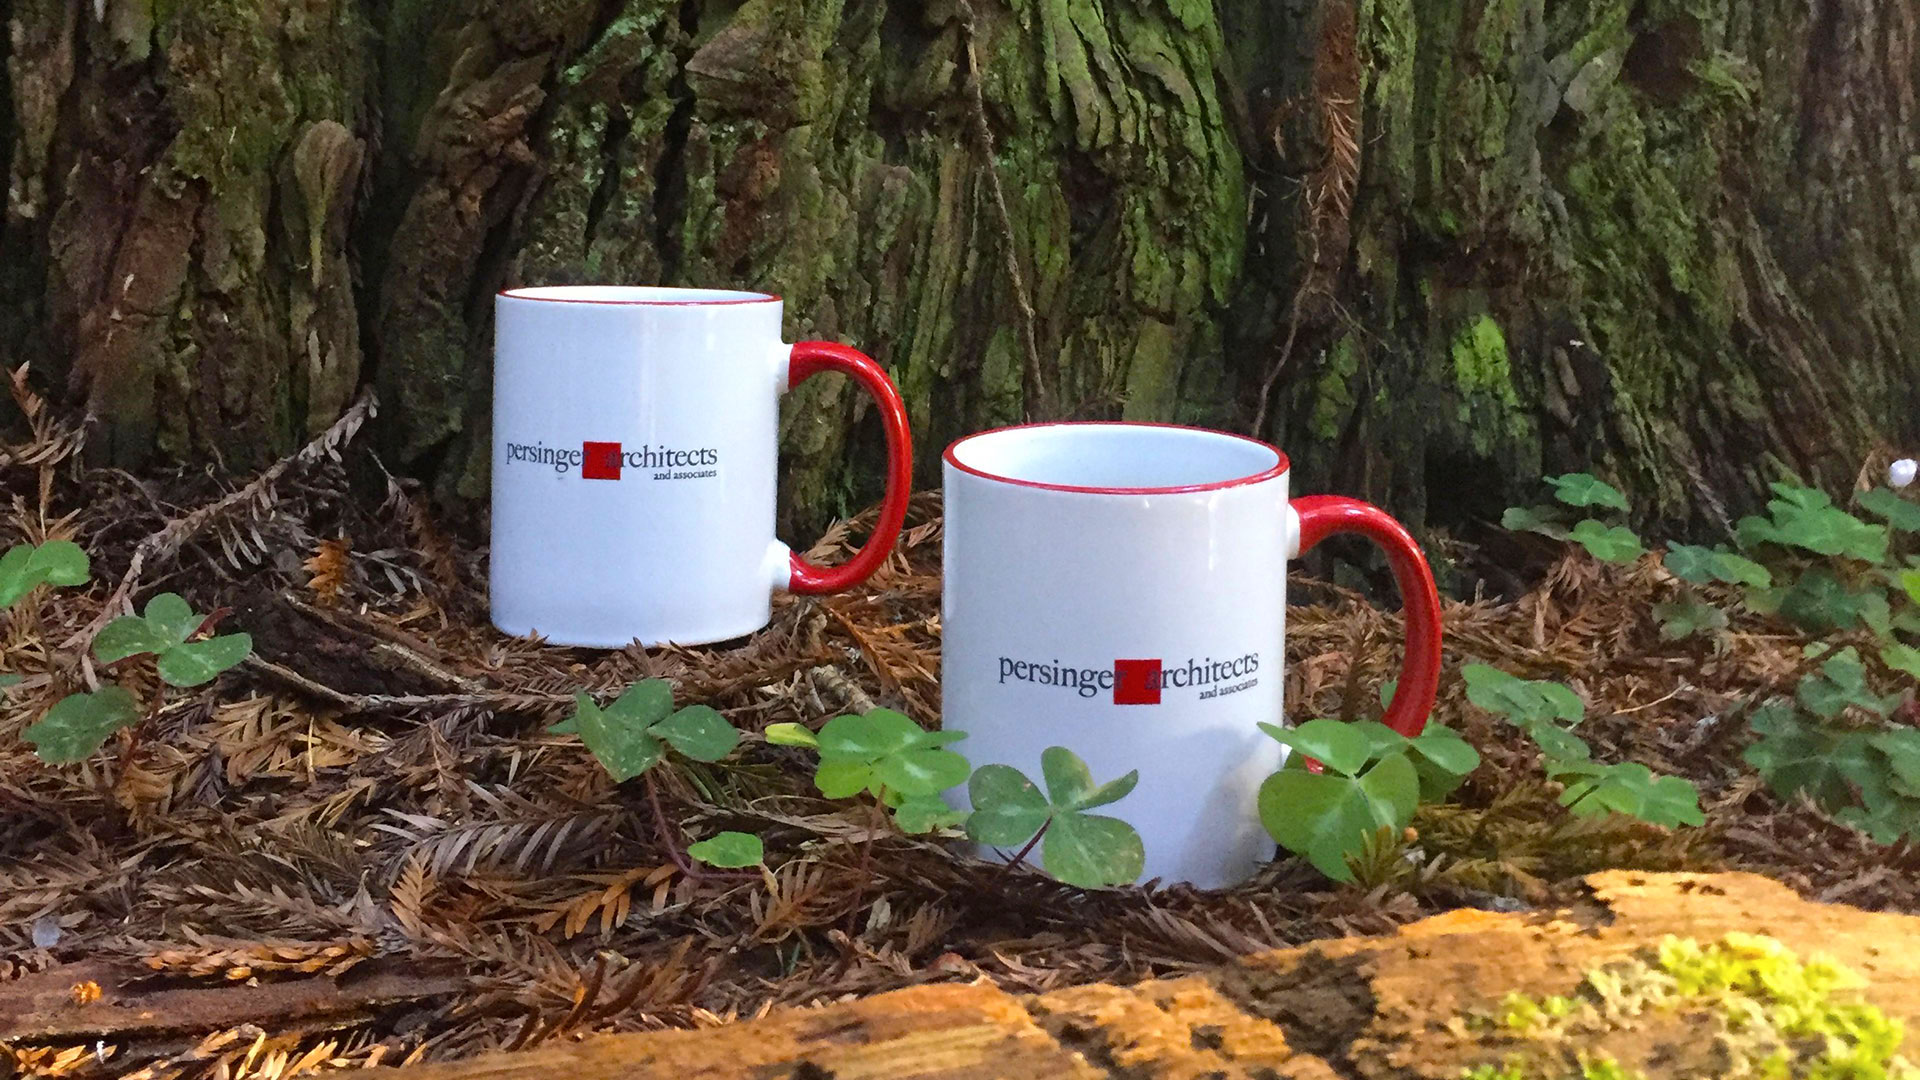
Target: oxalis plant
[
  {"x": 905, "y": 768},
  {"x": 1369, "y": 777},
  {"x": 1846, "y": 578},
  {"x": 631, "y": 736},
  {"x": 883, "y": 755},
  {"x": 169, "y": 633}
]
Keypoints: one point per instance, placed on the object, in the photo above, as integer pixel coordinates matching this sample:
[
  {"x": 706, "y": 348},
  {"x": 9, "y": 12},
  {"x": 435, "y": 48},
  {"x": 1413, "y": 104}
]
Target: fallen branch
[
  {"x": 362, "y": 703},
  {"x": 172, "y": 536}
]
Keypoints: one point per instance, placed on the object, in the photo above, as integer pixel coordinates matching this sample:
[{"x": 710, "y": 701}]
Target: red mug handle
[
  {"x": 810, "y": 358},
  {"x": 1322, "y": 516}
]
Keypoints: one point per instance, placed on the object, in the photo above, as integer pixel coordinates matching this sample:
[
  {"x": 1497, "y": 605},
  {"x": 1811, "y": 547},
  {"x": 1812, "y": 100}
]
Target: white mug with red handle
[
  {"x": 1120, "y": 590},
  {"x": 635, "y": 447}
]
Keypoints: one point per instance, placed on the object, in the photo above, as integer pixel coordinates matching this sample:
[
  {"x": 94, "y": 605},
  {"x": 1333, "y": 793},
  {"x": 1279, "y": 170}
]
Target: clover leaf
[
  {"x": 1583, "y": 489},
  {"x": 629, "y": 736},
  {"x": 1898, "y": 512},
  {"x": 1594, "y": 788},
  {"x": 884, "y": 752},
  {"x": 78, "y": 724},
  {"x": 1608, "y": 543},
  {"x": 1327, "y": 816},
  {"x": 1086, "y": 850},
  {"x": 1544, "y": 520},
  {"x": 729, "y": 850},
  {"x": 163, "y": 631},
  {"x": 1687, "y": 616},
  {"x": 1521, "y": 699},
  {"x": 24, "y": 567}
]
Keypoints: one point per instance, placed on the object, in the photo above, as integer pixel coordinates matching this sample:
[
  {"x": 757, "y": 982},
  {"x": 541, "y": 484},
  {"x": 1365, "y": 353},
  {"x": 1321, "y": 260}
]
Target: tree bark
[{"x": 1433, "y": 247}]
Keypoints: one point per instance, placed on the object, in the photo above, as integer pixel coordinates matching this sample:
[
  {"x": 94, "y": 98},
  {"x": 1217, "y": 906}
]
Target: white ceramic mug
[
  {"x": 1120, "y": 590},
  {"x": 635, "y": 438}
]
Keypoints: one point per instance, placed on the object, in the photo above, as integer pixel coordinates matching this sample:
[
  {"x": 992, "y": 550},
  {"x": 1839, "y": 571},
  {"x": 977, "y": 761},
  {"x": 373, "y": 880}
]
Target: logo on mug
[
  {"x": 1139, "y": 682},
  {"x": 607, "y": 460}
]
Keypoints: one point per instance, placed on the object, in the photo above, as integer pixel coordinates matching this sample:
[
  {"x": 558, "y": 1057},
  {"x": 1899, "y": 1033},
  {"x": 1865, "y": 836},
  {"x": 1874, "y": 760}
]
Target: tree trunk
[{"x": 1434, "y": 247}]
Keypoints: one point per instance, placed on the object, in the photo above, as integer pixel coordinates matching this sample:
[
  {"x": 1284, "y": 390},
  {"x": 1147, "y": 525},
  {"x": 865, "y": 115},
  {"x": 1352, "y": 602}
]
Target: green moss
[
  {"x": 1480, "y": 363},
  {"x": 1768, "y": 1014},
  {"x": 1334, "y": 397}
]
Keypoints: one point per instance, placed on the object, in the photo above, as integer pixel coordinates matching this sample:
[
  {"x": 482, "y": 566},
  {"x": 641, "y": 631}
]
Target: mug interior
[
  {"x": 1116, "y": 458},
  {"x": 635, "y": 294}
]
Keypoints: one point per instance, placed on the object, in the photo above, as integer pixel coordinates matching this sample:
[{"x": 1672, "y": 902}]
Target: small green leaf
[
  {"x": 1688, "y": 616},
  {"x": 1561, "y": 702},
  {"x": 644, "y": 704},
  {"x": 1321, "y": 817},
  {"x": 172, "y": 619},
  {"x": 1740, "y": 570},
  {"x": 60, "y": 562},
  {"x": 1333, "y": 744},
  {"x": 792, "y": 735},
  {"x": 1901, "y": 658},
  {"x": 925, "y": 813},
  {"x": 75, "y": 727},
  {"x": 8, "y": 679},
  {"x": 202, "y": 662},
  {"x": 1583, "y": 489},
  {"x": 1446, "y": 749},
  {"x": 922, "y": 773},
  {"x": 623, "y": 748},
  {"x": 17, "y": 578},
  {"x": 1008, "y": 808},
  {"x": 1535, "y": 519},
  {"x": 128, "y": 635},
  {"x": 729, "y": 850},
  {"x": 1393, "y": 783},
  {"x": 1498, "y": 692},
  {"x": 842, "y": 778},
  {"x": 1689, "y": 563},
  {"x": 1067, "y": 778},
  {"x": 699, "y": 732},
  {"x": 1092, "y": 851},
  {"x": 1110, "y": 792},
  {"x": 1608, "y": 543},
  {"x": 1901, "y": 747},
  {"x": 1910, "y": 583},
  {"x": 1555, "y": 741},
  {"x": 869, "y": 736},
  {"x": 1794, "y": 757},
  {"x": 1898, "y": 512}
]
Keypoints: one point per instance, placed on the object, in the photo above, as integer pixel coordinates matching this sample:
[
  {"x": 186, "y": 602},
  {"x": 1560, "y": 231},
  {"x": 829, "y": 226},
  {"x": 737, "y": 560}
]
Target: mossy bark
[{"x": 1463, "y": 241}]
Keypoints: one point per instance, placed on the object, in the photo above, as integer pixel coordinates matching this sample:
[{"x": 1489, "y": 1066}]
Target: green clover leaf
[
  {"x": 1687, "y": 616},
  {"x": 629, "y": 736},
  {"x": 163, "y": 630},
  {"x": 1583, "y": 489},
  {"x": 1608, "y": 543},
  {"x": 924, "y": 813},
  {"x": 1544, "y": 520},
  {"x": 884, "y": 751},
  {"x": 1887, "y": 504},
  {"x": 200, "y": 662},
  {"x": 56, "y": 562},
  {"x": 699, "y": 732},
  {"x": 1089, "y": 851},
  {"x": 1338, "y": 746},
  {"x": 1629, "y": 788},
  {"x": 1326, "y": 817},
  {"x": 75, "y": 727},
  {"x": 729, "y": 850},
  {"x": 791, "y": 735}
]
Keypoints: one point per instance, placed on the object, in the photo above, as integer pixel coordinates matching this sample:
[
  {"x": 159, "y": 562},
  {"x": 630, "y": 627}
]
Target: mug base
[{"x": 564, "y": 639}]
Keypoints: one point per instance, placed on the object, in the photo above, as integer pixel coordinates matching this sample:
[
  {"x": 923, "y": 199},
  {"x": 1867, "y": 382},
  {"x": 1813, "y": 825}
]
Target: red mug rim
[
  {"x": 526, "y": 292},
  {"x": 1279, "y": 468}
]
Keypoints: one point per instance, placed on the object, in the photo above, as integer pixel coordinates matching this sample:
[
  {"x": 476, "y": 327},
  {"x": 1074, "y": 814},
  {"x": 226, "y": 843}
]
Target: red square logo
[
  {"x": 1136, "y": 682},
  {"x": 600, "y": 461}
]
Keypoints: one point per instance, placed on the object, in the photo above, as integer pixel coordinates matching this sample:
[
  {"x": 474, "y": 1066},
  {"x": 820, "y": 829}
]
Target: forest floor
[{"x": 363, "y": 846}]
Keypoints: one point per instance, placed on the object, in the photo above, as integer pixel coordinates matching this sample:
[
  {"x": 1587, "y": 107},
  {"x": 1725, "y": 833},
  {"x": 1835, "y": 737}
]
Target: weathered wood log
[{"x": 1413, "y": 1004}]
